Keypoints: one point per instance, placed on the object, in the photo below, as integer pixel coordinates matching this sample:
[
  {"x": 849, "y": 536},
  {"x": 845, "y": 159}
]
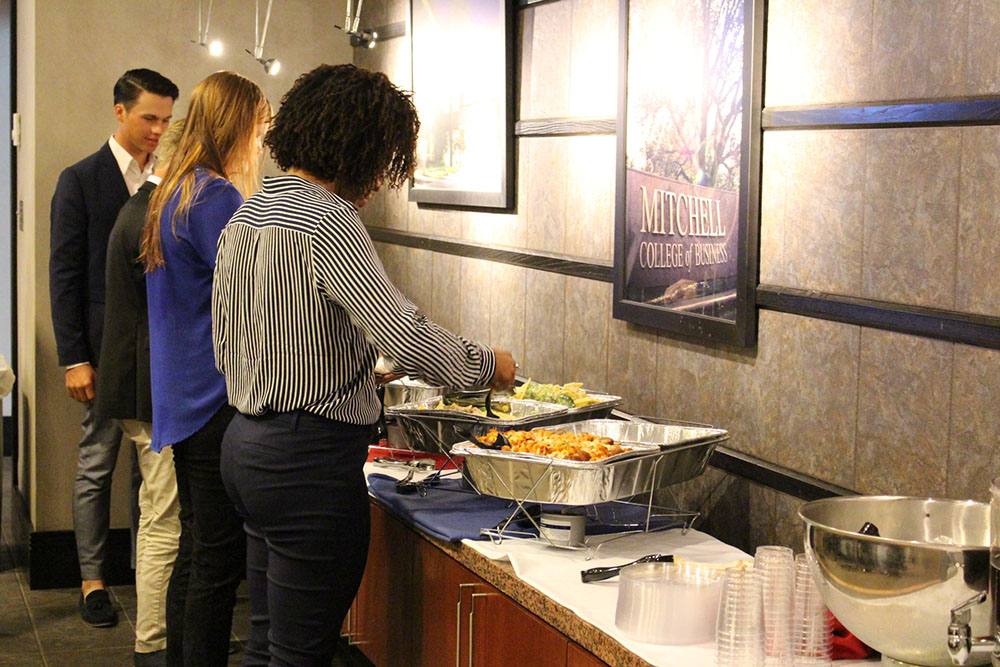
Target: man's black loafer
[{"x": 97, "y": 610}]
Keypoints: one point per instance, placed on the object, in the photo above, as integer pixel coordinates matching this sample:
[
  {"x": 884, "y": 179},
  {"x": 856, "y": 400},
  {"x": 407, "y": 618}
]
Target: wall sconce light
[
  {"x": 271, "y": 65},
  {"x": 215, "y": 46}
]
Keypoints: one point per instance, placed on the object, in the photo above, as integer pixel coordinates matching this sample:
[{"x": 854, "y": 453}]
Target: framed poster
[
  {"x": 463, "y": 88},
  {"x": 687, "y": 192}
]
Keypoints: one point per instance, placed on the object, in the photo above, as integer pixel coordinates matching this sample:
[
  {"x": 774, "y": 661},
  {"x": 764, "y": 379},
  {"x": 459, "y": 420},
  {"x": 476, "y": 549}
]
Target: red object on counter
[
  {"x": 845, "y": 645},
  {"x": 383, "y": 451}
]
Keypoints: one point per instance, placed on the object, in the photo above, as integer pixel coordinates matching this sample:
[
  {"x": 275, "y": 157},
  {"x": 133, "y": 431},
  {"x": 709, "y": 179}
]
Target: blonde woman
[{"x": 214, "y": 169}]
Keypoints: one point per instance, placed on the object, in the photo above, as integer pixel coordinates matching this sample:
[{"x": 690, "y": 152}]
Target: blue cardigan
[{"x": 187, "y": 389}]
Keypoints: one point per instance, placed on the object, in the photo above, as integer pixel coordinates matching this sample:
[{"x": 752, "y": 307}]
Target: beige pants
[{"x": 156, "y": 540}]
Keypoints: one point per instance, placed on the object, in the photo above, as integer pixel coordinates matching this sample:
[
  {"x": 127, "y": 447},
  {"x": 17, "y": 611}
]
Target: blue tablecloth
[{"x": 451, "y": 512}]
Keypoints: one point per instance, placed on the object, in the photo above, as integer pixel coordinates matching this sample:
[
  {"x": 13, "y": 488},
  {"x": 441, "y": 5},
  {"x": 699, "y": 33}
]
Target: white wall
[
  {"x": 69, "y": 55},
  {"x": 6, "y": 224}
]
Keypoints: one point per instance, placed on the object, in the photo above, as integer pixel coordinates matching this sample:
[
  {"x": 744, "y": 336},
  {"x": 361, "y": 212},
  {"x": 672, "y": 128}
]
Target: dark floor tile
[
  {"x": 17, "y": 636},
  {"x": 60, "y": 629},
  {"x": 124, "y": 594},
  {"x": 47, "y": 597},
  {"x": 105, "y": 657},
  {"x": 23, "y": 660},
  {"x": 124, "y": 598},
  {"x": 241, "y": 619},
  {"x": 236, "y": 657},
  {"x": 10, "y": 591}
]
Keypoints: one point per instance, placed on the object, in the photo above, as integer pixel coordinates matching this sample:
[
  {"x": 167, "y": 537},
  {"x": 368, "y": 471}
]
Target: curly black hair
[{"x": 348, "y": 125}]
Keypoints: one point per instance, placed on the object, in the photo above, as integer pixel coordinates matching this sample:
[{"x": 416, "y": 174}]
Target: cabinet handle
[
  {"x": 458, "y": 625},
  {"x": 351, "y": 631},
  {"x": 348, "y": 633},
  {"x": 472, "y": 614}
]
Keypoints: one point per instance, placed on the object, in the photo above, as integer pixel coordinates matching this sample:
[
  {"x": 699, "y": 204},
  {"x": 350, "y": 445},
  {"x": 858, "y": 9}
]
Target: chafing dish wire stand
[
  {"x": 505, "y": 531},
  {"x": 663, "y": 453}
]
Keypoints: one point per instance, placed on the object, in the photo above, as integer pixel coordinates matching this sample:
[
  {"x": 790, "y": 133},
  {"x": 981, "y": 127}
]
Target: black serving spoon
[
  {"x": 499, "y": 443},
  {"x": 602, "y": 573}
]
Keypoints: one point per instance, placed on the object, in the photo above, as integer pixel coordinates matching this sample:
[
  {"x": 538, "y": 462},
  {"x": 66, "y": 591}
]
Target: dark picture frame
[
  {"x": 463, "y": 60},
  {"x": 687, "y": 194}
]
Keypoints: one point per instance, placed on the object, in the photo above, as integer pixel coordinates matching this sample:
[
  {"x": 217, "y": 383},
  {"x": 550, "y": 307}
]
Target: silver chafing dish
[
  {"x": 660, "y": 455},
  {"x": 432, "y": 429},
  {"x": 409, "y": 390}
]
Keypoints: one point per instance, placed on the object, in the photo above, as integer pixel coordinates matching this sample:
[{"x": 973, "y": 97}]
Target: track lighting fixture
[
  {"x": 215, "y": 46},
  {"x": 271, "y": 65}
]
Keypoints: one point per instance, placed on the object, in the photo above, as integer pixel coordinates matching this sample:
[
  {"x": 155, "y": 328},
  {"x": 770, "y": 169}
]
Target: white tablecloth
[{"x": 556, "y": 573}]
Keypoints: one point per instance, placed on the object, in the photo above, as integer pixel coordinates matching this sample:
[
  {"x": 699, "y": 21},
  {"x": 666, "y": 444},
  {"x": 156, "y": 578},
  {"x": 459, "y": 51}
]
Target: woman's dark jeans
[
  {"x": 210, "y": 556},
  {"x": 298, "y": 481}
]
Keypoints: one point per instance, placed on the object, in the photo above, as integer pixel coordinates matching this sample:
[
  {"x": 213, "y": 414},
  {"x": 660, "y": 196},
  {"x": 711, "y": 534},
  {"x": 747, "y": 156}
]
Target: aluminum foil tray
[
  {"x": 663, "y": 454},
  {"x": 605, "y": 404},
  {"x": 431, "y": 430},
  {"x": 408, "y": 390}
]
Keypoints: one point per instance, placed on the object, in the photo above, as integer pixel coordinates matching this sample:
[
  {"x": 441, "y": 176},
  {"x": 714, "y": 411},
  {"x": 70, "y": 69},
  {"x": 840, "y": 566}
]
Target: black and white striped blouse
[{"x": 301, "y": 305}]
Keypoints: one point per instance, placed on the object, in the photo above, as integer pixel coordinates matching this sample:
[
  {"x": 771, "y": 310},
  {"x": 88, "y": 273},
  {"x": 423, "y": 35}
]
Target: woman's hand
[
  {"x": 385, "y": 378},
  {"x": 506, "y": 367}
]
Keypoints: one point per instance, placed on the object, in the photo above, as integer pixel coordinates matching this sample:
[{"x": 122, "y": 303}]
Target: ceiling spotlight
[
  {"x": 215, "y": 47},
  {"x": 271, "y": 65}
]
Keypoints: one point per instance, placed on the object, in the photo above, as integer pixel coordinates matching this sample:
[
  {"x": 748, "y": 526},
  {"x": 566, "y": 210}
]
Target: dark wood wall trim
[
  {"x": 540, "y": 261},
  {"x": 52, "y": 559},
  {"x": 979, "y": 330},
  {"x": 774, "y": 476},
  {"x": 929, "y": 322},
  {"x": 564, "y": 127},
  {"x": 907, "y": 113}
]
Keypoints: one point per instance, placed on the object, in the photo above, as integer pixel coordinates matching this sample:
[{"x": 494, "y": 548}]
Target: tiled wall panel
[{"x": 906, "y": 215}]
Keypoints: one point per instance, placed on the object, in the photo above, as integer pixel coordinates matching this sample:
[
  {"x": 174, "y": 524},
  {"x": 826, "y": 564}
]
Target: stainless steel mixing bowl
[{"x": 895, "y": 592}]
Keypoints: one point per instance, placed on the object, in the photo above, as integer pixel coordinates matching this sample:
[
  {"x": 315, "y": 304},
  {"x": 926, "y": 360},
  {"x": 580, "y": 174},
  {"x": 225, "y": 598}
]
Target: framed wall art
[
  {"x": 687, "y": 192},
  {"x": 463, "y": 88}
]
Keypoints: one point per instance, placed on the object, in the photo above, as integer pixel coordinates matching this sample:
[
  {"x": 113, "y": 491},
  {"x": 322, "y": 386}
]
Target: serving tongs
[
  {"x": 419, "y": 464},
  {"x": 477, "y": 398},
  {"x": 602, "y": 573},
  {"x": 409, "y": 485}
]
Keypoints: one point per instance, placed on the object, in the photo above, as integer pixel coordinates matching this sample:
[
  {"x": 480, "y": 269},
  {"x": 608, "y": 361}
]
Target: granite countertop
[{"x": 500, "y": 575}]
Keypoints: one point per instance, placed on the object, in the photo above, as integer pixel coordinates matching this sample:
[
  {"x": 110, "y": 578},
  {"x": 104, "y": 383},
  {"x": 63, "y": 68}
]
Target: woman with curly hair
[
  {"x": 213, "y": 168},
  {"x": 300, "y": 305}
]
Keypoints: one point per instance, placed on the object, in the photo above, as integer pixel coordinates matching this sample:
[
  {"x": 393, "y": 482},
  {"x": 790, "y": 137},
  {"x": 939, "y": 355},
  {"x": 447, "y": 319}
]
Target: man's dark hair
[
  {"x": 349, "y": 125},
  {"x": 134, "y": 81}
]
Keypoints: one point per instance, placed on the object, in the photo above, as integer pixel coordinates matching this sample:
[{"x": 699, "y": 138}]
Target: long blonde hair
[{"x": 219, "y": 132}]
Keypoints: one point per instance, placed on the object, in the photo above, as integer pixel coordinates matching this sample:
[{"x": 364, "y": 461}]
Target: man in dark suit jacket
[
  {"x": 84, "y": 207},
  {"x": 124, "y": 394}
]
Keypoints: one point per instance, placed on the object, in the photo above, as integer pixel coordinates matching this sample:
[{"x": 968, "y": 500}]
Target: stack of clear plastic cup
[
  {"x": 739, "y": 632},
  {"x": 777, "y": 582},
  {"x": 811, "y": 633}
]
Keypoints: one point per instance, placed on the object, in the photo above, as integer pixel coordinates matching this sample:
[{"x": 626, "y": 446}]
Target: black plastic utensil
[
  {"x": 478, "y": 398},
  {"x": 499, "y": 443},
  {"x": 602, "y": 573},
  {"x": 406, "y": 485},
  {"x": 869, "y": 528}
]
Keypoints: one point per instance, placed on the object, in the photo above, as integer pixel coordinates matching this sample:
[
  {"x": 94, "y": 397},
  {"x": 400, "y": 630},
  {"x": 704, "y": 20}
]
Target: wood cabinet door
[
  {"x": 505, "y": 634},
  {"x": 381, "y": 616},
  {"x": 442, "y": 589},
  {"x": 577, "y": 656}
]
